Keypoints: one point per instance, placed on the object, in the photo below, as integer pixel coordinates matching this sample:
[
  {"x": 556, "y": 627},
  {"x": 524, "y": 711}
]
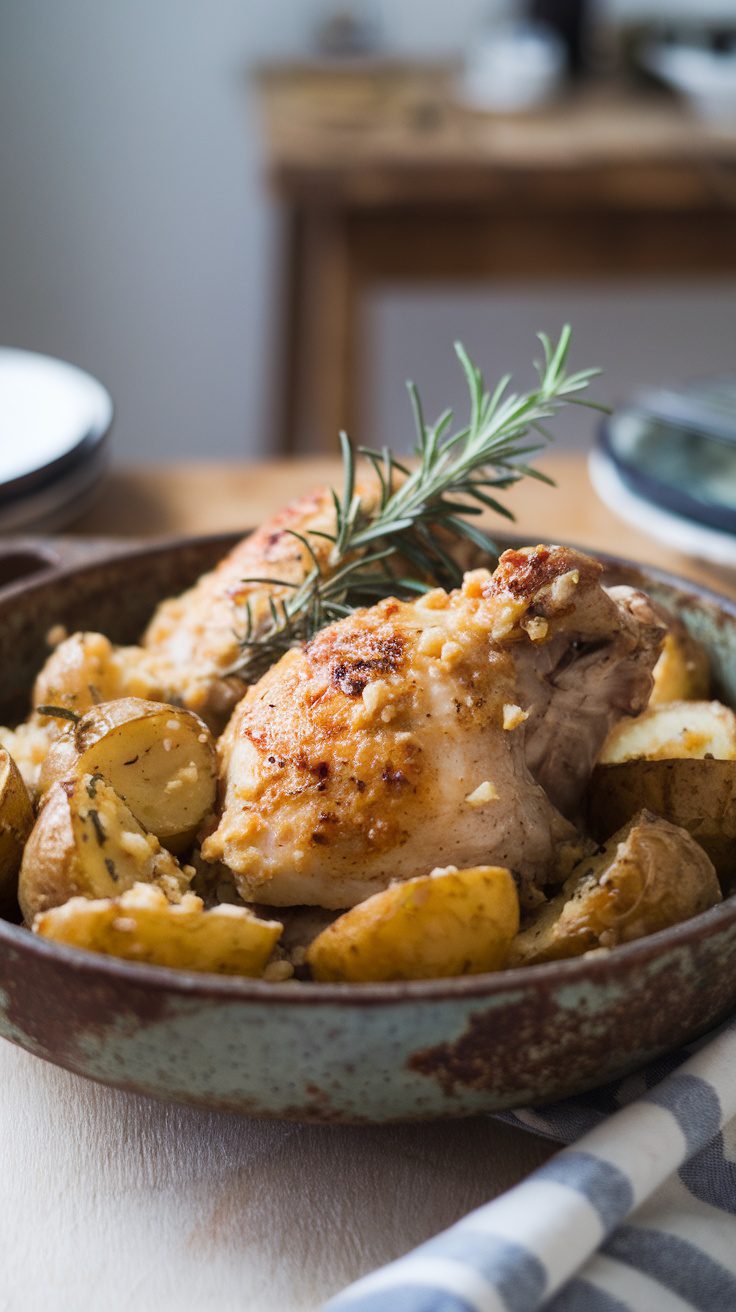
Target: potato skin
[
  {"x": 160, "y": 759},
  {"x": 141, "y": 925},
  {"x": 86, "y": 842},
  {"x": 16, "y": 823},
  {"x": 452, "y": 922},
  {"x": 49, "y": 871},
  {"x": 650, "y": 875},
  {"x": 697, "y": 795}
]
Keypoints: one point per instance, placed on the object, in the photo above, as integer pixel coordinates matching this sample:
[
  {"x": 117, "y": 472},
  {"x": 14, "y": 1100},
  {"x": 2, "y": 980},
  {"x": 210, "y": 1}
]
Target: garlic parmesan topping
[{"x": 513, "y": 716}]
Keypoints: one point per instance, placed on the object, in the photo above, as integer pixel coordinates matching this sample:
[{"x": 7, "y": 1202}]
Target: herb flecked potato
[
  {"x": 650, "y": 875},
  {"x": 160, "y": 759},
  {"x": 142, "y": 925},
  {"x": 451, "y": 922},
  {"x": 86, "y": 842},
  {"x": 82, "y": 671},
  {"x": 16, "y": 822}
]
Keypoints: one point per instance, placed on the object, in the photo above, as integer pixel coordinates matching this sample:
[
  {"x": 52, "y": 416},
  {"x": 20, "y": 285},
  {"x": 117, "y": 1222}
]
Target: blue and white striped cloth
[{"x": 637, "y": 1215}]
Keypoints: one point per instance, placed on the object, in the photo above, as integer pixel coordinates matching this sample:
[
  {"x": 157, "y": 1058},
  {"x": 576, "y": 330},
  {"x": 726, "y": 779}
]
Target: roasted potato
[
  {"x": 160, "y": 759},
  {"x": 16, "y": 822},
  {"x": 81, "y": 672},
  {"x": 78, "y": 673},
  {"x": 651, "y": 874},
  {"x": 142, "y": 925},
  {"x": 87, "y": 842},
  {"x": 85, "y": 669},
  {"x": 699, "y": 796},
  {"x": 682, "y": 672},
  {"x": 452, "y": 922},
  {"x": 676, "y": 729}
]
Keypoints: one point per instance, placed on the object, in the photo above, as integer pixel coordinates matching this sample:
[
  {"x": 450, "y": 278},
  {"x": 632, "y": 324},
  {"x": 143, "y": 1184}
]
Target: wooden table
[
  {"x": 110, "y": 1200},
  {"x": 385, "y": 178}
]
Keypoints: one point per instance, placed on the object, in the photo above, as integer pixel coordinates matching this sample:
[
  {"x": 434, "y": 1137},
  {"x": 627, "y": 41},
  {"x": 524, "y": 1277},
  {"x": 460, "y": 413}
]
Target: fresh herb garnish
[
  {"x": 59, "y": 713},
  {"x": 98, "y": 826},
  {"x": 402, "y": 545}
]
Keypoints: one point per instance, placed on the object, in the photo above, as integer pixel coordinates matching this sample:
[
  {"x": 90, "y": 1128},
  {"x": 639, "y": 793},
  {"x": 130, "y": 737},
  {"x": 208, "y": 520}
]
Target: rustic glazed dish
[{"x": 337, "y": 1052}]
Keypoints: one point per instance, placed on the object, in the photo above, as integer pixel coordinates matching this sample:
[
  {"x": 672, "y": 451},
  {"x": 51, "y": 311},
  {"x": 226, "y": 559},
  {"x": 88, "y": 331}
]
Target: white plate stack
[{"x": 54, "y": 422}]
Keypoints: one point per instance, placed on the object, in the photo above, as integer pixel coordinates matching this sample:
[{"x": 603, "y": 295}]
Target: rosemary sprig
[
  {"x": 402, "y": 544},
  {"x": 59, "y": 713}
]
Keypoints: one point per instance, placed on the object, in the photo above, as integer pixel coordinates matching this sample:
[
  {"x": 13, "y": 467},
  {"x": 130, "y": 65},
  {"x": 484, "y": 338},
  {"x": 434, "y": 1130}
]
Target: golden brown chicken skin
[{"x": 397, "y": 738}]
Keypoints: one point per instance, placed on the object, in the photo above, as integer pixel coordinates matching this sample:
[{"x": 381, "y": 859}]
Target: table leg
[
  {"x": 320, "y": 337},
  {"x": 339, "y": 254}
]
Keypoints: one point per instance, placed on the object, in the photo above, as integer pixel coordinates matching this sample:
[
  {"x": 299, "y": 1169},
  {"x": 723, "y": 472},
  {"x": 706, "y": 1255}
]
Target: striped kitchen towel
[{"x": 637, "y": 1215}]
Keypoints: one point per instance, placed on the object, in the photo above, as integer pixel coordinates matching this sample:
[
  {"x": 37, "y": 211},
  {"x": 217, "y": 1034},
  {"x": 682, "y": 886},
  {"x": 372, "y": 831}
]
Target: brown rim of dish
[{"x": 600, "y": 966}]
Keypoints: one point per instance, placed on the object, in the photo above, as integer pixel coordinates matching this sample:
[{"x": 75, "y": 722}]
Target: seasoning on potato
[
  {"x": 451, "y": 922},
  {"x": 86, "y": 842},
  {"x": 142, "y": 925},
  {"x": 160, "y": 759},
  {"x": 650, "y": 875},
  {"x": 16, "y": 822}
]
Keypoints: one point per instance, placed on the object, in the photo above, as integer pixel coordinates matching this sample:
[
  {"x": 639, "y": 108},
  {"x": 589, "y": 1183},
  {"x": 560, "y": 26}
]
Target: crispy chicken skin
[{"x": 398, "y": 738}]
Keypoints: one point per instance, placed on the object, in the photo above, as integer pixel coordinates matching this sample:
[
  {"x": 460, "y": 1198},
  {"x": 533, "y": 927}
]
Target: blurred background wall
[{"x": 137, "y": 240}]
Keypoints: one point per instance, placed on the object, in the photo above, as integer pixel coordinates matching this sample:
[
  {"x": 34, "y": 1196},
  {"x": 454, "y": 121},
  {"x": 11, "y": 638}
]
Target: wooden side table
[{"x": 386, "y": 179}]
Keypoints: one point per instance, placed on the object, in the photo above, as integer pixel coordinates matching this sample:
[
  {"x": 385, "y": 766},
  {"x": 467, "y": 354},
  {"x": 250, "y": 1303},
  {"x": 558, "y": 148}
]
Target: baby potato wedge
[
  {"x": 699, "y": 796},
  {"x": 16, "y": 823},
  {"x": 651, "y": 874},
  {"x": 451, "y": 922},
  {"x": 80, "y": 672},
  {"x": 86, "y": 842},
  {"x": 673, "y": 730},
  {"x": 142, "y": 925},
  {"x": 682, "y": 672},
  {"x": 86, "y": 669},
  {"x": 160, "y": 759}
]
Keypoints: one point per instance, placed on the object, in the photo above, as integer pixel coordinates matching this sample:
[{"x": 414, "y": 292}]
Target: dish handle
[{"x": 22, "y": 558}]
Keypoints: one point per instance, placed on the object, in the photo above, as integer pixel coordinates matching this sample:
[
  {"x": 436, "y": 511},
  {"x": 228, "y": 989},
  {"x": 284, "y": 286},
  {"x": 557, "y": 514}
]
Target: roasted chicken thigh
[{"x": 417, "y": 734}]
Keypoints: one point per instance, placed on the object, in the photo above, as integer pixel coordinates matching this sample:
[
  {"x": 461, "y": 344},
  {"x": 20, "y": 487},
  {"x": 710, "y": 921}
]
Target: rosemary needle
[{"x": 402, "y": 542}]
